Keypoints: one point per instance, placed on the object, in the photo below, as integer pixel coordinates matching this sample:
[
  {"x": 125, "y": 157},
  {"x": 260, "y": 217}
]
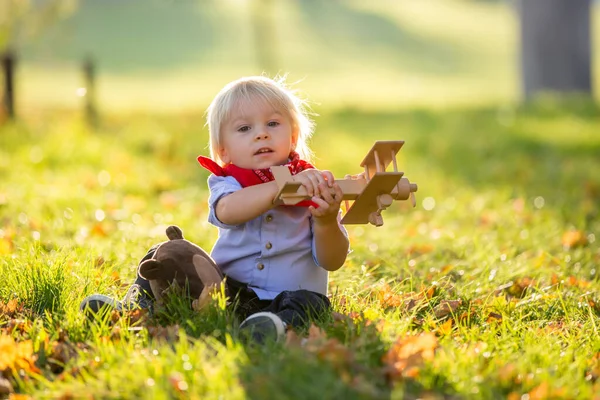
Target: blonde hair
[{"x": 275, "y": 93}]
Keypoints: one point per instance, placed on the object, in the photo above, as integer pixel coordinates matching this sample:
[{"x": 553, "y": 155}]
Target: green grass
[{"x": 498, "y": 189}]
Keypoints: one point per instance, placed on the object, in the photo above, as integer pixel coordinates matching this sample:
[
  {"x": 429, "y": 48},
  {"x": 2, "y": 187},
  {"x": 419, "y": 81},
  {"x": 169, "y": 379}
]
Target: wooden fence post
[
  {"x": 89, "y": 74},
  {"x": 8, "y": 66}
]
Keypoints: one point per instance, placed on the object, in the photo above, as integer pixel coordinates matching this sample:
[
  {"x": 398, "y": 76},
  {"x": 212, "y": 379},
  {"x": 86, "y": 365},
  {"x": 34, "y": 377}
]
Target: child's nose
[{"x": 262, "y": 134}]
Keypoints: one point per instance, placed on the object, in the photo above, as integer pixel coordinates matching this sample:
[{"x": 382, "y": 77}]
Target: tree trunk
[
  {"x": 555, "y": 46},
  {"x": 8, "y": 67}
]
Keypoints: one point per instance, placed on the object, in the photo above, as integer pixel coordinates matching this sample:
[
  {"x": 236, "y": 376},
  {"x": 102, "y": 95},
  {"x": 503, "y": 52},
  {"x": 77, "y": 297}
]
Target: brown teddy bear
[{"x": 182, "y": 263}]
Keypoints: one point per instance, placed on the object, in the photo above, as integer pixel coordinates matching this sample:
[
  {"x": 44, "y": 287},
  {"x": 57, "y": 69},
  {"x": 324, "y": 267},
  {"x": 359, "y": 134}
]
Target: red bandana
[{"x": 251, "y": 177}]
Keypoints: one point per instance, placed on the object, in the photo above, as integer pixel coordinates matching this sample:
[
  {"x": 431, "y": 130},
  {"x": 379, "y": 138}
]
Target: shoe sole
[
  {"x": 100, "y": 301},
  {"x": 255, "y": 319}
]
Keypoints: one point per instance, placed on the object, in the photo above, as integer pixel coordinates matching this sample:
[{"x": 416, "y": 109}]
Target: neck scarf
[{"x": 251, "y": 177}]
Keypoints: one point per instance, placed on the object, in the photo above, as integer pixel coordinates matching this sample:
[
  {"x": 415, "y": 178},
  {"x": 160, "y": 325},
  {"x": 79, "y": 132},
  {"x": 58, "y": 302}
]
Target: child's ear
[{"x": 224, "y": 156}]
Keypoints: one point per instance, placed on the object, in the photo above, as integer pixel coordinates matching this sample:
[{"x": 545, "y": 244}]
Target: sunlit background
[{"x": 174, "y": 55}]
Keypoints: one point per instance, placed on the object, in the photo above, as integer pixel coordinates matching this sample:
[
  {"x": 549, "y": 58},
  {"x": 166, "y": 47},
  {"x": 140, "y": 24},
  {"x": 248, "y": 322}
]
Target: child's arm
[
  {"x": 246, "y": 204},
  {"x": 331, "y": 244}
]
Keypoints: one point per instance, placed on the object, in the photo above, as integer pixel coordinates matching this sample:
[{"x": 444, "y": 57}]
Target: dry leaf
[
  {"x": 407, "y": 355},
  {"x": 513, "y": 396},
  {"x": 494, "y": 318},
  {"x": 178, "y": 382},
  {"x": 520, "y": 286},
  {"x": 5, "y": 387},
  {"x": 169, "y": 333},
  {"x": 419, "y": 249},
  {"x": 326, "y": 349},
  {"x": 62, "y": 352},
  {"x": 6, "y": 246},
  {"x": 445, "y": 328},
  {"x": 11, "y": 308},
  {"x": 507, "y": 374},
  {"x": 333, "y": 352},
  {"x": 292, "y": 339},
  {"x": 446, "y": 307},
  {"x": 14, "y": 396},
  {"x": 16, "y": 355},
  {"x": 573, "y": 238},
  {"x": 387, "y": 298},
  {"x": 539, "y": 392}
]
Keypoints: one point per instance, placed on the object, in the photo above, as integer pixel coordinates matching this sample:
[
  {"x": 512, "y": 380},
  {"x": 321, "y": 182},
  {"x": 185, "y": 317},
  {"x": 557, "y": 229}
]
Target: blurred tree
[
  {"x": 265, "y": 41},
  {"x": 21, "y": 20},
  {"x": 555, "y": 46}
]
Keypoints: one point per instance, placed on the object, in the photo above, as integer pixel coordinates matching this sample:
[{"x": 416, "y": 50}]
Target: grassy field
[
  {"x": 487, "y": 289},
  {"x": 162, "y": 56}
]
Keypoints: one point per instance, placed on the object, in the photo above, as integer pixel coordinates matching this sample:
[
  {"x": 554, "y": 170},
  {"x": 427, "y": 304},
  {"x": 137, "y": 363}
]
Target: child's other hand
[
  {"x": 315, "y": 181},
  {"x": 329, "y": 204}
]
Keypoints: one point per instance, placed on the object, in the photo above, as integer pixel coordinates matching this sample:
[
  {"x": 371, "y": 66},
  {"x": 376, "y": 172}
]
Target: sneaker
[
  {"x": 134, "y": 299},
  {"x": 263, "y": 327}
]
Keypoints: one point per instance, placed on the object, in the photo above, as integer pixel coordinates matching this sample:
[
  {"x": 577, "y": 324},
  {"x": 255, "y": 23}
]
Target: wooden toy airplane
[{"x": 372, "y": 191}]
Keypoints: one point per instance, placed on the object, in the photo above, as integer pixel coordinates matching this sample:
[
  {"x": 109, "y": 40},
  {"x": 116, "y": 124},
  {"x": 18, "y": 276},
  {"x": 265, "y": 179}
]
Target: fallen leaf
[
  {"x": 99, "y": 230},
  {"x": 520, "y": 286},
  {"x": 407, "y": 355},
  {"x": 6, "y": 246},
  {"x": 387, "y": 298},
  {"x": 15, "y": 396},
  {"x": 169, "y": 333},
  {"x": 494, "y": 318},
  {"x": 507, "y": 375},
  {"x": 62, "y": 352},
  {"x": 539, "y": 392},
  {"x": 573, "y": 238},
  {"x": 292, "y": 339},
  {"x": 446, "y": 307},
  {"x": 445, "y": 328},
  {"x": 11, "y": 308},
  {"x": 5, "y": 387},
  {"x": 178, "y": 382},
  {"x": 17, "y": 355},
  {"x": 419, "y": 249}
]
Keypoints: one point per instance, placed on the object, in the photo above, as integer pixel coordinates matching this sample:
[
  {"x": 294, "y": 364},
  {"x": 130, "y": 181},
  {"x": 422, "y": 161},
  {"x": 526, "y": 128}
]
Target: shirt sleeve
[
  {"x": 314, "y": 242},
  {"x": 220, "y": 186}
]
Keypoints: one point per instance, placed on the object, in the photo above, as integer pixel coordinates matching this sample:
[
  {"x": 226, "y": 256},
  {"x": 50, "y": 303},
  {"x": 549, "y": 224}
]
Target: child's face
[{"x": 257, "y": 136}]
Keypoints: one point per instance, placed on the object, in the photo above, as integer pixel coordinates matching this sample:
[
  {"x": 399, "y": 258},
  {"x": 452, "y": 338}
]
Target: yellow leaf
[
  {"x": 5, "y": 246},
  {"x": 16, "y": 355},
  {"x": 445, "y": 328},
  {"x": 419, "y": 249},
  {"x": 408, "y": 353},
  {"x": 539, "y": 392},
  {"x": 573, "y": 238}
]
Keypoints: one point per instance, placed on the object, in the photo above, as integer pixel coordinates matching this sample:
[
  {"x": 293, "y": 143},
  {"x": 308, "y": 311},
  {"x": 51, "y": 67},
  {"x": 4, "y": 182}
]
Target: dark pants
[{"x": 295, "y": 307}]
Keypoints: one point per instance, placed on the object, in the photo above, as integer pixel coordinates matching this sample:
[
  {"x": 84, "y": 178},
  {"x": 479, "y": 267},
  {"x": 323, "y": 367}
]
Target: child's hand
[
  {"x": 316, "y": 182},
  {"x": 329, "y": 205}
]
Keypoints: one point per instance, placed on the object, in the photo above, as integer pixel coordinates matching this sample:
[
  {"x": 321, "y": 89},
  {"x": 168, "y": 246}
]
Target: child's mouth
[{"x": 263, "y": 151}]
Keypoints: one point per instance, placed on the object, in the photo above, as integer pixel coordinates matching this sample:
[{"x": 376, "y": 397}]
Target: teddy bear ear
[
  {"x": 174, "y": 232},
  {"x": 153, "y": 270}
]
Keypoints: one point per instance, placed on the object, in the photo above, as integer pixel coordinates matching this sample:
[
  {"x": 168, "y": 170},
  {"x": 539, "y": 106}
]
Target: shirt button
[
  {"x": 260, "y": 266},
  {"x": 269, "y": 218},
  {"x": 268, "y": 245}
]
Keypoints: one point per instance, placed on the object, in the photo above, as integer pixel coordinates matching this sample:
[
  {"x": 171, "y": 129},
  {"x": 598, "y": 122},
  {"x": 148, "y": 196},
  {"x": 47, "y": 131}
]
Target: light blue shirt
[{"x": 271, "y": 253}]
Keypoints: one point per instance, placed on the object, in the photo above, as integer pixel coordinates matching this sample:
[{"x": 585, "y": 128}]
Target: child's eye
[
  {"x": 244, "y": 128},
  {"x": 273, "y": 123}
]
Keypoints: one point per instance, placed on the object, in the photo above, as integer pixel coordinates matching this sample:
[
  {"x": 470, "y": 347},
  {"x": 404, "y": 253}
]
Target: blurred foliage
[{"x": 21, "y": 20}]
